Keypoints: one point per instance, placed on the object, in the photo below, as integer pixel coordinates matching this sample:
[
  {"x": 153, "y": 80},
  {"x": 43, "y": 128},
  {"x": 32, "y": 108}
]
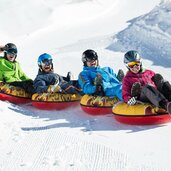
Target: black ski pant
[
  {"x": 27, "y": 85},
  {"x": 71, "y": 87},
  {"x": 151, "y": 94}
]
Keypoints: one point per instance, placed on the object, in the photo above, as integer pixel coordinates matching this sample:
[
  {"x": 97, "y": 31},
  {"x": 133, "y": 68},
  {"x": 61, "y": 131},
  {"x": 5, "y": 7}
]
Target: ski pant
[
  {"x": 71, "y": 87},
  {"x": 151, "y": 94},
  {"x": 27, "y": 85}
]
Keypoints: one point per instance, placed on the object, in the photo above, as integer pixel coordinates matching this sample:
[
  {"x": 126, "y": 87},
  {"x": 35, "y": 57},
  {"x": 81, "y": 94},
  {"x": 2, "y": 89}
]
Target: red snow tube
[
  {"x": 55, "y": 101},
  {"x": 14, "y": 94},
  {"x": 97, "y": 105},
  {"x": 140, "y": 114},
  {"x": 96, "y": 110}
]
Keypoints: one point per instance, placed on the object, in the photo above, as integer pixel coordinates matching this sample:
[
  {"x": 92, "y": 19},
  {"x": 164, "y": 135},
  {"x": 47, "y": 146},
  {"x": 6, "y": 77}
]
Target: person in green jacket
[{"x": 10, "y": 70}]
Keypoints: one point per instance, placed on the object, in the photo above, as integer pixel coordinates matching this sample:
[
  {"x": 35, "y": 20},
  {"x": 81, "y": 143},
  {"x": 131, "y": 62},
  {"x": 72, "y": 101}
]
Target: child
[
  {"x": 49, "y": 82},
  {"x": 96, "y": 80},
  {"x": 10, "y": 70},
  {"x": 144, "y": 85}
]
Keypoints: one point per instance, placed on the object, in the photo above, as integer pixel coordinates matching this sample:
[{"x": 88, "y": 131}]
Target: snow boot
[
  {"x": 136, "y": 89},
  {"x": 158, "y": 80},
  {"x": 120, "y": 75},
  {"x": 166, "y": 90}
]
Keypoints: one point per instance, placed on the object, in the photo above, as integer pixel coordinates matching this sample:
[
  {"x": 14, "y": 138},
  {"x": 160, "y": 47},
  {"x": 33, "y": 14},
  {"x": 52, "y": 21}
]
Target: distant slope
[{"x": 150, "y": 34}]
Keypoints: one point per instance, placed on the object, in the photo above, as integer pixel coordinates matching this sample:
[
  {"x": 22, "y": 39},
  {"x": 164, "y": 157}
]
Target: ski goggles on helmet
[
  {"x": 12, "y": 51},
  {"x": 46, "y": 62},
  {"x": 133, "y": 63}
]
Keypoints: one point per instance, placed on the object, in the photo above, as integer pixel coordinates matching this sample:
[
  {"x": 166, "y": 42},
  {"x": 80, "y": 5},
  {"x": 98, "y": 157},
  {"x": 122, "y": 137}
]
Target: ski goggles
[
  {"x": 12, "y": 51},
  {"x": 46, "y": 62},
  {"x": 91, "y": 59},
  {"x": 134, "y": 63}
]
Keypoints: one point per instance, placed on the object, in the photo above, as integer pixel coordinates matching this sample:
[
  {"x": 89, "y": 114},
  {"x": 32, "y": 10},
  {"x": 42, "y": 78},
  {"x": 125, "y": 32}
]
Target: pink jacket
[{"x": 144, "y": 77}]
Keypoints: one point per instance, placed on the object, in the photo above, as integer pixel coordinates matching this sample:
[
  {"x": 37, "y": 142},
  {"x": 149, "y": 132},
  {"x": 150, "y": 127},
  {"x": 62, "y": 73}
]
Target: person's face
[
  {"x": 46, "y": 65},
  {"x": 92, "y": 63},
  {"x": 134, "y": 67},
  {"x": 10, "y": 56}
]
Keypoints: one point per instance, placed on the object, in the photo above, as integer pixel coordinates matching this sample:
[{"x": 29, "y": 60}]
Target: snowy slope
[
  {"x": 71, "y": 140},
  {"x": 150, "y": 34}
]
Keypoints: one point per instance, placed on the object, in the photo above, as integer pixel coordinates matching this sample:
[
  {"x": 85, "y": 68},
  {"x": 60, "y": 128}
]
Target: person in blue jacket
[
  {"x": 47, "y": 81},
  {"x": 99, "y": 81}
]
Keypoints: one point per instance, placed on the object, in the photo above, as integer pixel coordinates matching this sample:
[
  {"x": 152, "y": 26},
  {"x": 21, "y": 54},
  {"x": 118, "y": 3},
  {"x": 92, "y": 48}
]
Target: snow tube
[
  {"x": 97, "y": 105},
  {"x": 13, "y": 94},
  {"x": 55, "y": 101},
  {"x": 140, "y": 114}
]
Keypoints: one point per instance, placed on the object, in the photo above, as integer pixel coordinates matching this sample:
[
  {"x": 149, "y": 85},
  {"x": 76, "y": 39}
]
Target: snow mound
[{"x": 149, "y": 34}]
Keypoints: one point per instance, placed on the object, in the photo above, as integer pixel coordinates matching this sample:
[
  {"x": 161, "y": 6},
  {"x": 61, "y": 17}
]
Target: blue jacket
[{"x": 111, "y": 85}]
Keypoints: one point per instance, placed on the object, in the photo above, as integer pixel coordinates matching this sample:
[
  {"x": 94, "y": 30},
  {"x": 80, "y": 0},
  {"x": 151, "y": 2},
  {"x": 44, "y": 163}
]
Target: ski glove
[
  {"x": 120, "y": 75},
  {"x": 132, "y": 101},
  {"x": 99, "y": 89},
  {"x": 98, "y": 80},
  {"x": 1, "y": 49},
  {"x": 54, "y": 88}
]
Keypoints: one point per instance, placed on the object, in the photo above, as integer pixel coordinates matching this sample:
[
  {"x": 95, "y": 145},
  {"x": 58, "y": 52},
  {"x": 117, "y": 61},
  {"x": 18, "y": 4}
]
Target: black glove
[
  {"x": 98, "y": 80},
  {"x": 2, "y": 49},
  {"x": 99, "y": 88},
  {"x": 120, "y": 75},
  {"x": 98, "y": 84}
]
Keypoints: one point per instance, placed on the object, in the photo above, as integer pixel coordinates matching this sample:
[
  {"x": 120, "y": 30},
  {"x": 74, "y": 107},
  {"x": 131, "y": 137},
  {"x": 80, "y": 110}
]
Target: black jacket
[{"x": 43, "y": 80}]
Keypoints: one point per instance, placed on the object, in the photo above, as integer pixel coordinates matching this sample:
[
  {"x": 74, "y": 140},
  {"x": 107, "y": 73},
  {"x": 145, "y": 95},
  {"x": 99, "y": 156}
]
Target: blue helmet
[{"x": 44, "y": 57}]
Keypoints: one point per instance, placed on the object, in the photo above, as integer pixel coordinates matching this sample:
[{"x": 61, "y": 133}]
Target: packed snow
[{"x": 70, "y": 139}]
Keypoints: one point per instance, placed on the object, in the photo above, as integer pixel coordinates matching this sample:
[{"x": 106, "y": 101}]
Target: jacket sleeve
[
  {"x": 40, "y": 85},
  {"x": 111, "y": 71},
  {"x": 126, "y": 89},
  {"x": 86, "y": 83}
]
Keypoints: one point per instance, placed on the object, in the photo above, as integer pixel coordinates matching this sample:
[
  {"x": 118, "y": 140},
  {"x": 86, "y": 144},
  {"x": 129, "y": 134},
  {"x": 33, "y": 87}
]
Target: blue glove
[{"x": 132, "y": 101}]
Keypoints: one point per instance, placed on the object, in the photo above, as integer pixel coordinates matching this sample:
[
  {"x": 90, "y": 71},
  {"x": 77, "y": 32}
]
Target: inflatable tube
[
  {"x": 140, "y": 114},
  {"x": 55, "y": 101},
  {"x": 97, "y": 105},
  {"x": 14, "y": 94}
]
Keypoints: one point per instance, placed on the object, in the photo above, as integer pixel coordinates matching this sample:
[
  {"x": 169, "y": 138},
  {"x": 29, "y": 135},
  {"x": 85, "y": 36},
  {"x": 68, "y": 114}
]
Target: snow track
[
  {"x": 60, "y": 141},
  {"x": 55, "y": 150}
]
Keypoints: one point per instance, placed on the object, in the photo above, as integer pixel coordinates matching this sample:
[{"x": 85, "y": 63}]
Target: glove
[
  {"x": 54, "y": 88},
  {"x": 98, "y": 80},
  {"x": 1, "y": 48},
  {"x": 99, "y": 89},
  {"x": 132, "y": 101},
  {"x": 120, "y": 75}
]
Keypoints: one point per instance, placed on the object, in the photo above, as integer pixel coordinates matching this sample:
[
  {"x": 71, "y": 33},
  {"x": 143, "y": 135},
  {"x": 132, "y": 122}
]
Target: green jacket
[{"x": 11, "y": 71}]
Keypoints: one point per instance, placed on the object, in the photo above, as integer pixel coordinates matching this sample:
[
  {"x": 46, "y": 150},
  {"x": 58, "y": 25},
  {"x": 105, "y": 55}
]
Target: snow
[{"x": 71, "y": 140}]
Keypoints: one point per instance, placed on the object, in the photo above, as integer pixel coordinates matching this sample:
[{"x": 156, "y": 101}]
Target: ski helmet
[
  {"x": 132, "y": 56},
  {"x": 89, "y": 55},
  {"x": 44, "y": 57},
  {"x": 10, "y": 48}
]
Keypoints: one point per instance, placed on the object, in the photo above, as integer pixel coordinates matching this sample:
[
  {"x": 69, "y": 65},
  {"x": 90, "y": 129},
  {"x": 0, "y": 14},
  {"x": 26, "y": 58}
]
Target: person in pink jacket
[{"x": 140, "y": 84}]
